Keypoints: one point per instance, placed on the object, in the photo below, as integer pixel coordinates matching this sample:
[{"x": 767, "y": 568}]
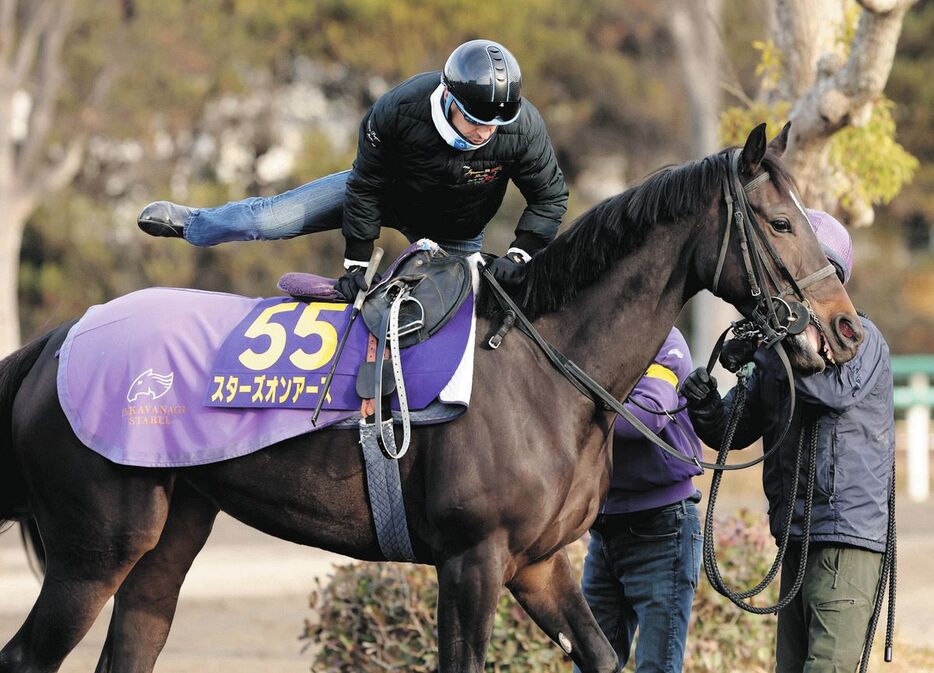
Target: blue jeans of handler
[
  {"x": 641, "y": 570},
  {"x": 315, "y": 206}
]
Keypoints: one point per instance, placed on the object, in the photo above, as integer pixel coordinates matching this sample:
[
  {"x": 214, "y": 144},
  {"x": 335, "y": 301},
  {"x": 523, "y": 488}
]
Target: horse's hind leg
[
  {"x": 145, "y": 604},
  {"x": 94, "y": 532},
  {"x": 551, "y": 596}
]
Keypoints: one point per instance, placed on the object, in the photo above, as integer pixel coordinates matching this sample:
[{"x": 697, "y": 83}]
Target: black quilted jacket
[{"x": 407, "y": 177}]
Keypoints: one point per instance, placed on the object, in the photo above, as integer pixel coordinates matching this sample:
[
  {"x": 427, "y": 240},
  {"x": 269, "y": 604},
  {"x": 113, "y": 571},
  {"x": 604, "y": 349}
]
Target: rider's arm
[
  {"x": 366, "y": 185},
  {"x": 839, "y": 388},
  {"x": 542, "y": 184}
]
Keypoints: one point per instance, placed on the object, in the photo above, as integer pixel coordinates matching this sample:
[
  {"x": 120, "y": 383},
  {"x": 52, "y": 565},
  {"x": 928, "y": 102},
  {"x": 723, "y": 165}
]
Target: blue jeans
[
  {"x": 315, "y": 206},
  {"x": 641, "y": 570}
]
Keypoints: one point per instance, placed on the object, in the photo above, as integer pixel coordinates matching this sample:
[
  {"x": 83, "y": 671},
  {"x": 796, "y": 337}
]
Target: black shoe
[{"x": 164, "y": 218}]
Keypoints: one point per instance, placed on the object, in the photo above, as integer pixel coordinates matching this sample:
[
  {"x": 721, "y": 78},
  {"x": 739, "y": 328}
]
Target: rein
[{"x": 765, "y": 322}]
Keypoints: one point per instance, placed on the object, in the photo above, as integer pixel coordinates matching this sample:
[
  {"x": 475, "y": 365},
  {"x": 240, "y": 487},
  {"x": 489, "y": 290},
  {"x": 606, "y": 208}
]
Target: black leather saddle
[{"x": 433, "y": 285}]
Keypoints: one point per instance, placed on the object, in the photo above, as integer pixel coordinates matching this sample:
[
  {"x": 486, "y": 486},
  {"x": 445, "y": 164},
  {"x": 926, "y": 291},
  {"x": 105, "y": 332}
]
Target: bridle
[{"x": 774, "y": 318}]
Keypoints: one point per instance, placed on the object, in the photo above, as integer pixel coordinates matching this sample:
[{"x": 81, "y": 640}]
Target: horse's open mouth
[{"x": 818, "y": 343}]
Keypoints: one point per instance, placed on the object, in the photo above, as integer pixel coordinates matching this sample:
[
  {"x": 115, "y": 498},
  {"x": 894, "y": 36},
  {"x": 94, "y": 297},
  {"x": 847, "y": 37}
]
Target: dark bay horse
[{"x": 491, "y": 498}]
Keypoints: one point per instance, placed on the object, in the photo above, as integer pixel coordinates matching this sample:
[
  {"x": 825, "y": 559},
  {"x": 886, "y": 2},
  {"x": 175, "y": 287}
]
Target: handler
[
  {"x": 823, "y": 628},
  {"x": 643, "y": 562}
]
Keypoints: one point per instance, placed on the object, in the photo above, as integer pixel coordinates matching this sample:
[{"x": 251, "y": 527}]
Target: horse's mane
[{"x": 618, "y": 225}]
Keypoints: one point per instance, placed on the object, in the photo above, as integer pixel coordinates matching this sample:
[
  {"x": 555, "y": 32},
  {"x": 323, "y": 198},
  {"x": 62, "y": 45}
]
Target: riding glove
[
  {"x": 700, "y": 389},
  {"x": 736, "y": 353},
  {"x": 352, "y": 282},
  {"x": 508, "y": 269}
]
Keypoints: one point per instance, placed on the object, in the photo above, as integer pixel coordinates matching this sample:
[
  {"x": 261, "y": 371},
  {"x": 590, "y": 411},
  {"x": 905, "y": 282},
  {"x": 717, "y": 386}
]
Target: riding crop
[{"x": 354, "y": 312}]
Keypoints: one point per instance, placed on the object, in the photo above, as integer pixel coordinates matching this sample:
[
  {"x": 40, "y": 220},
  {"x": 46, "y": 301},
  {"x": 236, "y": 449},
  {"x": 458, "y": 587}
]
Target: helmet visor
[{"x": 490, "y": 114}]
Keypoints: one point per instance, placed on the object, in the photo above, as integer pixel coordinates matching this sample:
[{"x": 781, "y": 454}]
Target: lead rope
[
  {"x": 889, "y": 572},
  {"x": 709, "y": 551}
]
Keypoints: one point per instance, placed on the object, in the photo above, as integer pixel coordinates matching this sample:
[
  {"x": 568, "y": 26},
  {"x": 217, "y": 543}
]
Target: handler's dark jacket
[
  {"x": 407, "y": 177},
  {"x": 855, "y": 446}
]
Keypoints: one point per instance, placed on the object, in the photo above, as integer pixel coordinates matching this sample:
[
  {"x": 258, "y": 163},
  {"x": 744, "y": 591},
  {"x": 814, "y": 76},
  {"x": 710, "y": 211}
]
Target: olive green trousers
[{"x": 822, "y": 630}]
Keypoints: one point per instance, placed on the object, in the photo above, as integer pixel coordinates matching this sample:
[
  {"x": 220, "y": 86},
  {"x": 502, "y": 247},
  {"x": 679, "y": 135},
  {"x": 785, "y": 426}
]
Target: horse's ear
[
  {"x": 780, "y": 142},
  {"x": 753, "y": 150}
]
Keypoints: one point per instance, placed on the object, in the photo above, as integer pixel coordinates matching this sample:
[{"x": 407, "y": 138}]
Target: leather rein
[{"x": 773, "y": 319}]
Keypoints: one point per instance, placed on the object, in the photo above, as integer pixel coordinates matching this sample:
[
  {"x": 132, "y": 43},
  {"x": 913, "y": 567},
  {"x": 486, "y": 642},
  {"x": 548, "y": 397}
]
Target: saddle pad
[
  {"x": 280, "y": 354},
  {"x": 132, "y": 374}
]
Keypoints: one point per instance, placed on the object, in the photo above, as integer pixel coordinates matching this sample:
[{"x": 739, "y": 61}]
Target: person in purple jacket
[{"x": 643, "y": 562}]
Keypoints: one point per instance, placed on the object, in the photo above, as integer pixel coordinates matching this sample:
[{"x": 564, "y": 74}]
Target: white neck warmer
[{"x": 445, "y": 129}]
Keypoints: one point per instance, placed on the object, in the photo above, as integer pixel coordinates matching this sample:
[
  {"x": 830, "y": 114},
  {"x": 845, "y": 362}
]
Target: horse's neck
[{"x": 616, "y": 326}]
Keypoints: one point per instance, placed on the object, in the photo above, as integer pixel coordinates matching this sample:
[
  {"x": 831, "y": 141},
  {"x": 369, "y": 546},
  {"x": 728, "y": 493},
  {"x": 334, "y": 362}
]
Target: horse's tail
[{"x": 13, "y": 369}]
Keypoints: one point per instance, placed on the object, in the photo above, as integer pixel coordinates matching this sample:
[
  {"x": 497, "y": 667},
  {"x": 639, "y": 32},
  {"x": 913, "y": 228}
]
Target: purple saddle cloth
[{"x": 136, "y": 374}]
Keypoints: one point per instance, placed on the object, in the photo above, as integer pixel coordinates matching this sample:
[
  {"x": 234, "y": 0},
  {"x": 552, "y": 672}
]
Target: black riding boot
[{"x": 164, "y": 218}]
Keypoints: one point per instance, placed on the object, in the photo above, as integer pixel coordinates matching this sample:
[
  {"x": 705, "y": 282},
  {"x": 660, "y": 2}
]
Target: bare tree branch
[
  {"x": 882, "y": 6},
  {"x": 7, "y": 28},
  {"x": 61, "y": 174},
  {"x": 48, "y": 80},
  {"x": 737, "y": 91},
  {"x": 840, "y": 92},
  {"x": 28, "y": 46}
]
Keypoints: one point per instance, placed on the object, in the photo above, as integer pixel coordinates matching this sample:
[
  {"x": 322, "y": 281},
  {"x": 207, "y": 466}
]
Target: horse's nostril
[{"x": 846, "y": 329}]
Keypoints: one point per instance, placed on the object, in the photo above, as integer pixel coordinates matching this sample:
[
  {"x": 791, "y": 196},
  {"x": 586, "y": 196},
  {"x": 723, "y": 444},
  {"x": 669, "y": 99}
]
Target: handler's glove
[
  {"x": 700, "y": 389},
  {"x": 352, "y": 282},
  {"x": 509, "y": 269},
  {"x": 736, "y": 353}
]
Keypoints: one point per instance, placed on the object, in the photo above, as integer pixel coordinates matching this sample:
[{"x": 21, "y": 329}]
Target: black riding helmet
[{"x": 485, "y": 82}]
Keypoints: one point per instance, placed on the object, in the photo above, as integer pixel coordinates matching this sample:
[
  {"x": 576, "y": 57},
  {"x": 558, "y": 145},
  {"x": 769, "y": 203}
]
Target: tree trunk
[
  {"x": 693, "y": 26},
  {"x": 11, "y": 234},
  {"x": 830, "y": 88}
]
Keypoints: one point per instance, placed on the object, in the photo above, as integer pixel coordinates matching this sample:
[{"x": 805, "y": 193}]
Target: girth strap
[{"x": 384, "y": 488}]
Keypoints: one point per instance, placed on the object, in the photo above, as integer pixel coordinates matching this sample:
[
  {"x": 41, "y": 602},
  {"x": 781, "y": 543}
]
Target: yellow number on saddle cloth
[{"x": 308, "y": 324}]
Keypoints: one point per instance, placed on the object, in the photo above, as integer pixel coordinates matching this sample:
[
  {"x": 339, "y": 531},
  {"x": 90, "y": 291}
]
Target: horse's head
[{"x": 767, "y": 261}]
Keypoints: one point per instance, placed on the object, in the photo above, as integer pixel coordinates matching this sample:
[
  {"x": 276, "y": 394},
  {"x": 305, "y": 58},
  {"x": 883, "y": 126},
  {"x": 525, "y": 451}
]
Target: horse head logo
[{"x": 153, "y": 385}]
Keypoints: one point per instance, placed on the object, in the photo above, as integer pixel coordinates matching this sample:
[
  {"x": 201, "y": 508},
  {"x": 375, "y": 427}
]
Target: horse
[{"x": 491, "y": 498}]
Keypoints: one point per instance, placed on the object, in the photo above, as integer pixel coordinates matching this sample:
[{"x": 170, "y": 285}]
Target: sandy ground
[
  {"x": 245, "y": 600},
  {"x": 241, "y": 610}
]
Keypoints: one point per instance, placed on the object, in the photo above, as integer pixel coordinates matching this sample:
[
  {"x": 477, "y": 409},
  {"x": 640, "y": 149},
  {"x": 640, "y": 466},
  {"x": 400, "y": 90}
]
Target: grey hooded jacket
[{"x": 856, "y": 441}]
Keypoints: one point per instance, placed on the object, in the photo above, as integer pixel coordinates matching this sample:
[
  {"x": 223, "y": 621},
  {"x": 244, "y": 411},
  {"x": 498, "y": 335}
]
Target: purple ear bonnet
[{"x": 834, "y": 241}]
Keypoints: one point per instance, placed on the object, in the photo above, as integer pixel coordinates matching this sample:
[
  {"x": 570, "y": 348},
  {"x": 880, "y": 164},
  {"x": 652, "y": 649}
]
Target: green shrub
[
  {"x": 722, "y": 638},
  {"x": 378, "y": 617}
]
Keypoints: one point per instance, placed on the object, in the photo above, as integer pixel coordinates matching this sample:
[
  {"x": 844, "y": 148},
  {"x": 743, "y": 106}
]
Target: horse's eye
[{"x": 781, "y": 224}]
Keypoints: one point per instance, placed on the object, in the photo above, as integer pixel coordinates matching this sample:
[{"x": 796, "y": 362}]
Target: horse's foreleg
[
  {"x": 145, "y": 604},
  {"x": 552, "y": 597},
  {"x": 469, "y": 585}
]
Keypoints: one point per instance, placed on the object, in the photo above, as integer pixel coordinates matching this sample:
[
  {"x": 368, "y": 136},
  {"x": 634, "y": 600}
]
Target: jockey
[
  {"x": 434, "y": 157},
  {"x": 643, "y": 561},
  {"x": 822, "y": 629}
]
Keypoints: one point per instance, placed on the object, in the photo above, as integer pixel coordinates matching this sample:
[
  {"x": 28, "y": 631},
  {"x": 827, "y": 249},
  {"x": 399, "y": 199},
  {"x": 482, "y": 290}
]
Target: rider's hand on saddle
[
  {"x": 736, "y": 353},
  {"x": 352, "y": 282},
  {"x": 700, "y": 388},
  {"x": 508, "y": 269}
]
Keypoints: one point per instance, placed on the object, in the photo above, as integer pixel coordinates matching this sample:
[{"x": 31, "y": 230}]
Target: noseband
[{"x": 774, "y": 318}]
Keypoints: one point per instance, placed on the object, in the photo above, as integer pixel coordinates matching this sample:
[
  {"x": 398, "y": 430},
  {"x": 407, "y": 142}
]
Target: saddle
[
  {"x": 419, "y": 294},
  {"x": 433, "y": 283}
]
